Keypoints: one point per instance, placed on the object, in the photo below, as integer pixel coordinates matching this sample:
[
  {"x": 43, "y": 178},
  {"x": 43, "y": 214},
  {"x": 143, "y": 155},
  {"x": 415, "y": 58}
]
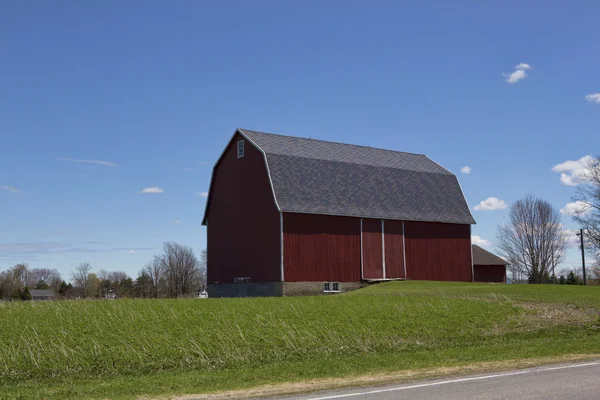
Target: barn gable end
[{"x": 242, "y": 219}]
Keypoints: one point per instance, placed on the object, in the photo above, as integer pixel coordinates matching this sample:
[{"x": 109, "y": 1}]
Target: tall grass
[
  {"x": 233, "y": 342},
  {"x": 53, "y": 339}
]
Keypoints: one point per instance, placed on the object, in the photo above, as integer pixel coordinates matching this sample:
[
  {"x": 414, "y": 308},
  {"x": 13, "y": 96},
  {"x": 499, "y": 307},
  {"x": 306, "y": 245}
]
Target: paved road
[{"x": 579, "y": 381}]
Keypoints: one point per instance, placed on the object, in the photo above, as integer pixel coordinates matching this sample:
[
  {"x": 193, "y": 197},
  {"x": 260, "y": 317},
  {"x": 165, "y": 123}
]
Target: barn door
[
  {"x": 372, "y": 249},
  {"x": 393, "y": 240}
]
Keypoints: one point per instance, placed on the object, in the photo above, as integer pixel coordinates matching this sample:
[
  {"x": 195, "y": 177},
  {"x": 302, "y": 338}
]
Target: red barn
[
  {"x": 288, "y": 215},
  {"x": 488, "y": 267}
]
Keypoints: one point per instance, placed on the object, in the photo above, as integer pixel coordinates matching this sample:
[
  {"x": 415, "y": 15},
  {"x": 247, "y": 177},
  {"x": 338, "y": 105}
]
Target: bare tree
[
  {"x": 181, "y": 269},
  {"x": 533, "y": 238},
  {"x": 21, "y": 275},
  {"x": 80, "y": 278},
  {"x": 587, "y": 214},
  {"x": 203, "y": 267},
  {"x": 50, "y": 277},
  {"x": 594, "y": 270},
  {"x": 154, "y": 271}
]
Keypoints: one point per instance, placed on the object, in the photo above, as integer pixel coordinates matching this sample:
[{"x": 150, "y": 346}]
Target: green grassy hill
[{"x": 129, "y": 348}]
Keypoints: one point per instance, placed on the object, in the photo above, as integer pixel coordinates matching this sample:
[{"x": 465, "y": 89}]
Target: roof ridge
[
  {"x": 267, "y": 154},
  {"x": 330, "y": 141}
]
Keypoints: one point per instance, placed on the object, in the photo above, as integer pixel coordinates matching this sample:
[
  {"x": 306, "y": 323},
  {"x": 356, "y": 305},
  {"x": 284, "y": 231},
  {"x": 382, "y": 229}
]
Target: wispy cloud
[
  {"x": 152, "y": 190},
  {"x": 479, "y": 241},
  {"x": 574, "y": 172},
  {"x": 518, "y": 74},
  {"x": 523, "y": 66},
  {"x": 466, "y": 170},
  {"x": 98, "y": 162},
  {"x": 94, "y": 242},
  {"x": 576, "y": 208},
  {"x": 131, "y": 251},
  {"x": 202, "y": 194},
  {"x": 593, "y": 98},
  {"x": 491, "y": 204},
  {"x": 10, "y": 189},
  {"x": 58, "y": 234},
  {"x": 19, "y": 250},
  {"x": 177, "y": 222}
]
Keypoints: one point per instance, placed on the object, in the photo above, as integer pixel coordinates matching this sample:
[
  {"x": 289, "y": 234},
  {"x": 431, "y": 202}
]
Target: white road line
[{"x": 475, "y": 378}]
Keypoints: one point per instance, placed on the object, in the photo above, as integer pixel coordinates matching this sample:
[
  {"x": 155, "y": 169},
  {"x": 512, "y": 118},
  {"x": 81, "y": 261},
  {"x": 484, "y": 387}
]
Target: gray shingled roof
[
  {"x": 318, "y": 177},
  {"x": 484, "y": 257},
  {"x": 42, "y": 292}
]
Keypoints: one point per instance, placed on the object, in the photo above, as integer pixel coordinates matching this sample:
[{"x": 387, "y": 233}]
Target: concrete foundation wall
[
  {"x": 274, "y": 289},
  {"x": 315, "y": 288}
]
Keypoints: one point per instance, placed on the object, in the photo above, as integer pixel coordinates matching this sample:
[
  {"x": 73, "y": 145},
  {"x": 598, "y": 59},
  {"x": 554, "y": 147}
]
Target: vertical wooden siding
[
  {"x": 394, "y": 256},
  {"x": 372, "y": 249},
  {"x": 321, "y": 248},
  {"x": 490, "y": 273},
  {"x": 436, "y": 251},
  {"x": 243, "y": 221}
]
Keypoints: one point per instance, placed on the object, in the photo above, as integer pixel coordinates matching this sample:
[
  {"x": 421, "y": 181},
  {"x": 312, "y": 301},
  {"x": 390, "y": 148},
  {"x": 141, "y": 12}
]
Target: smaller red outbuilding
[{"x": 488, "y": 267}]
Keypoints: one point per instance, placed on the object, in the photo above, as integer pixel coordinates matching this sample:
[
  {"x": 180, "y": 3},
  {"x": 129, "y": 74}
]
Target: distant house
[
  {"x": 42, "y": 294},
  {"x": 288, "y": 215},
  {"x": 488, "y": 267}
]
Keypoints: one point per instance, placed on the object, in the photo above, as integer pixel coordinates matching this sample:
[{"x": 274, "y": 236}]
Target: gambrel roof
[{"x": 318, "y": 177}]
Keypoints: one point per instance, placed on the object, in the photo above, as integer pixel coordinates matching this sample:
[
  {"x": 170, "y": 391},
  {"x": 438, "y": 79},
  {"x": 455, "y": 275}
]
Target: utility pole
[{"x": 580, "y": 234}]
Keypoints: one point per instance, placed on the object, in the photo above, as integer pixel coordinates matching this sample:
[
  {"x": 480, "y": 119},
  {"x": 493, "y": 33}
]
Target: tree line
[
  {"x": 534, "y": 241},
  {"x": 176, "y": 272}
]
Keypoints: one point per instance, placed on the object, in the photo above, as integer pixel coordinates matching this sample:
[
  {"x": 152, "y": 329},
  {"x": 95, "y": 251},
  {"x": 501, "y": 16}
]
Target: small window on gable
[{"x": 240, "y": 149}]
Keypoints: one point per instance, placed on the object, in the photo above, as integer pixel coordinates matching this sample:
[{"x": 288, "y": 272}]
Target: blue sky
[{"x": 151, "y": 92}]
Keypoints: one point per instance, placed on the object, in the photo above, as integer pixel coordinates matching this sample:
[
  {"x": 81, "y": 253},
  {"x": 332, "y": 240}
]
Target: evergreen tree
[
  {"x": 42, "y": 285},
  {"x": 573, "y": 279},
  {"x": 25, "y": 294}
]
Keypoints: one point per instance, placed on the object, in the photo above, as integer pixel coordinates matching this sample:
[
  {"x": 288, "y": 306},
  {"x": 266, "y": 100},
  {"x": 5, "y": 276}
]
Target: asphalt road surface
[{"x": 580, "y": 381}]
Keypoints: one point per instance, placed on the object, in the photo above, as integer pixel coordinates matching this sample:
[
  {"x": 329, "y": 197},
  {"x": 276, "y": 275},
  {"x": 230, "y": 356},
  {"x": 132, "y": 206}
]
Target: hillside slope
[{"x": 129, "y": 348}]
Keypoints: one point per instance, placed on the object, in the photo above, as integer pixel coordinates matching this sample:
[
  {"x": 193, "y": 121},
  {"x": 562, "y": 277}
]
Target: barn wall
[
  {"x": 490, "y": 273},
  {"x": 321, "y": 248},
  {"x": 436, "y": 251},
  {"x": 372, "y": 249},
  {"x": 394, "y": 255},
  {"x": 243, "y": 233}
]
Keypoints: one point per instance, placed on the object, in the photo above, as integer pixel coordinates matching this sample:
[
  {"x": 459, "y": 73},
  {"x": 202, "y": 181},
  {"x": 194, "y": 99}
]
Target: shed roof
[
  {"x": 484, "y": 257},
  {"x": 42, "y": 293},
  {"x": 319, "y": 177}
]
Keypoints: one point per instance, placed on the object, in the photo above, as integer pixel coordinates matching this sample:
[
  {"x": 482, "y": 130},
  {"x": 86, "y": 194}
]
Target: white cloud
[
  {"x": 99, "y": 162},
  {"x": 479, "y": 241},
  {"x": 10, "y": 189},
  {"x": 177, "y": 222},
  {"x": 515, "y": 76},
  {"x": 523, "y": 66},
  {"x": 593, "y": 98},
  {"x": 574, "y": 172},
  {"x": 518, "y": 74},
  {"x": 576, "y": 208},
  {"x": 573, "y": 240},
  {"x": 466, "y": 169},
  {"x": 203, "y": 194},
  {"x": 152, "y": 190},
  {"x": 490, "y": 204},
  {"x": 131, "y": 251}
]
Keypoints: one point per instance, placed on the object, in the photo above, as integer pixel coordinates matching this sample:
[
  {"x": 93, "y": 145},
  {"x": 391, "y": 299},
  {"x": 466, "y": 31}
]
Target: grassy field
[{"x": 132, "y": 348}]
